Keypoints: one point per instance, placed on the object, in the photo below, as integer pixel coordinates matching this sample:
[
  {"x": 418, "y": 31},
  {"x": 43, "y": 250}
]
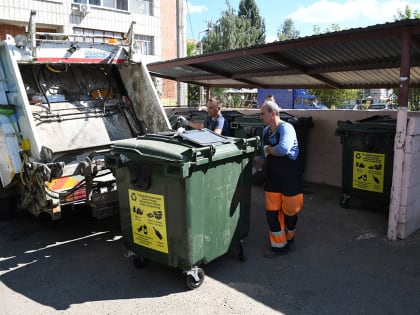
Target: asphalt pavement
[{"x": 343, "y": 264}]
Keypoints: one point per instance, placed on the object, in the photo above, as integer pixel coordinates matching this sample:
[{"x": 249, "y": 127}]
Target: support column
[{"x": 400, "y": 135}]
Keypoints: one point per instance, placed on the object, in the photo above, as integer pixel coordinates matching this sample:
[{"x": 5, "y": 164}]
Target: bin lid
[
  {"x": 255, "y": 120},
  {"x": 373, "y": 124},
  {"x": 179, "y": 147},
  {"x": 204, "y": 137}
]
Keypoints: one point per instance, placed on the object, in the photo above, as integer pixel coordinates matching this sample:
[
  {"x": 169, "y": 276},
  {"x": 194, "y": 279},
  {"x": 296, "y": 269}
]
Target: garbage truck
[{"x": 63, "y": 100}]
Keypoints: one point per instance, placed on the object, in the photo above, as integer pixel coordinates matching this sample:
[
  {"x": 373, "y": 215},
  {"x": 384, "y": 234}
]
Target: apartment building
[{"x": 159, "y": 26}]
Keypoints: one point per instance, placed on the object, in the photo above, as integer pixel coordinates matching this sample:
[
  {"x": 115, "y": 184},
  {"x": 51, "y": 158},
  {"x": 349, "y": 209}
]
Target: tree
[
  {"x": 233, "y": 30},
  {"x": 407, "y": 14},
  {"x": 191, "y": 48},
  {"x": 413, "y": 94},
  {"x": 248, "y": 9},
  {"x": 193, "y": 90},
  {"x": 316, "y": 30},
  {"x": 333, "y": 97},
  {"x": 333, "y": 28},
  {"x": 288, "y": 31}
]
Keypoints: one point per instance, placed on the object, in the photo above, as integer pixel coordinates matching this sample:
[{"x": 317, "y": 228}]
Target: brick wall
[
  {"x": 10, "y": 29},
  {"x": 14, "y": 30},
  {"x": 169, "y": 47}
]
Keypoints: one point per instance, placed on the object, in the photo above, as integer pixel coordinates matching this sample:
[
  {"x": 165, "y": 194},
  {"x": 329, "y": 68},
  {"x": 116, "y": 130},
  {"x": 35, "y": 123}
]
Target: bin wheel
[
  {"x": 140, "y": 262},
  {"x": 195, "y": 278},
  {"x": 345, "y": 201},
  {"x": 241, "y": 253}
]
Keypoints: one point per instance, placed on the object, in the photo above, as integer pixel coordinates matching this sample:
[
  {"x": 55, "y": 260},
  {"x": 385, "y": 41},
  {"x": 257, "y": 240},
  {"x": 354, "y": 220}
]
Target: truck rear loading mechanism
[{"x": 63, "y": 100}]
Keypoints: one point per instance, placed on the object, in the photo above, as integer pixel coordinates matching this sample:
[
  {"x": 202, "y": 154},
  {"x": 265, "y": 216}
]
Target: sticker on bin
[
  {"x": 204, "y": 137},
  {"x": 148, "y": 221},
  {"x": 368, "y": 171}
]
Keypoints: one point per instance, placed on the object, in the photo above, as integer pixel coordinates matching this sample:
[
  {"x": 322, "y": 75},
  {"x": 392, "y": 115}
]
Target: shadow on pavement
[{"x": 343, "y": 262}]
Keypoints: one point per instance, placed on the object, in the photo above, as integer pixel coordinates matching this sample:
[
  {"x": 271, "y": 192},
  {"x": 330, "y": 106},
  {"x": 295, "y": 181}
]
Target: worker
[
  {"x": 271, "y": 98},
  {"x": 214, "y": 120},
  {"x": 283, "y": 181}
]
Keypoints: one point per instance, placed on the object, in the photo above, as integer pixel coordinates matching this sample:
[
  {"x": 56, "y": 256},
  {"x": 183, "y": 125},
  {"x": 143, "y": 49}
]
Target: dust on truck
[{"x": 63, "y": 100}]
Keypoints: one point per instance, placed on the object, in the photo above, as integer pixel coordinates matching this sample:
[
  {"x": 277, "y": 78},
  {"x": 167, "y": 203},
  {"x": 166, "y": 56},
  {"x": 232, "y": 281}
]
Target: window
[
  {"x": 143, "y": 7},
  {"x": 145, "y": 43},
  {"x": 114, "y": 4},
  {"x": 95, "y": 36}
]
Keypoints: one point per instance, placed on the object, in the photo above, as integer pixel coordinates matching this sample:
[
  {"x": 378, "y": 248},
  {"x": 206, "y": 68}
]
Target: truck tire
[{"x": 8, "y": 204}]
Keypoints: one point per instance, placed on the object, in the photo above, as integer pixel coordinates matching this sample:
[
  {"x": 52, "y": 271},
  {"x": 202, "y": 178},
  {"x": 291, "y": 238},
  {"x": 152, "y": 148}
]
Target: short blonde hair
[{"x": 216, "y": 100}]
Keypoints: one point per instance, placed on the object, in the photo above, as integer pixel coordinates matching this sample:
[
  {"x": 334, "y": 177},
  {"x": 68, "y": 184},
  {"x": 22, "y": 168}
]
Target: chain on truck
[{"x": 63, "y": 100}]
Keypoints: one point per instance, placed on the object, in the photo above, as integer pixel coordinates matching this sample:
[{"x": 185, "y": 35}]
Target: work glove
[
  {"x": 182, "y": 121},
  {"x": 265, "y": 150},
  {"x": 254, "y": 170}
]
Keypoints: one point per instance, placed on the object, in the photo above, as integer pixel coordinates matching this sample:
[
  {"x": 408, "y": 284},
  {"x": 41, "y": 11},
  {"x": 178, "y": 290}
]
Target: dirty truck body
[{"x": 62, "y": 104}]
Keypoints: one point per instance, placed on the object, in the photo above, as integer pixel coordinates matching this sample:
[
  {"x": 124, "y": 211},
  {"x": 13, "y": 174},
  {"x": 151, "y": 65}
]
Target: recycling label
[
  {"x": 368, "y": 171},
  {"x": 148, "y": 221}
]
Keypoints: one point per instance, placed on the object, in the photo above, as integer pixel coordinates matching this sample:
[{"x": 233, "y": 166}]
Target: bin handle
[
  {"x": 139, "y": 152},
  {"x": 195, "y": 152}
]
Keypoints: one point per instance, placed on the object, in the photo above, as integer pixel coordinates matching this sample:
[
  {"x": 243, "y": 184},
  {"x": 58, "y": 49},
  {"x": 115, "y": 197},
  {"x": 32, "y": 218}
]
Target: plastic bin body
[
  {"x": 183, "y": 203},
  {"x": 367, "y": 158}
]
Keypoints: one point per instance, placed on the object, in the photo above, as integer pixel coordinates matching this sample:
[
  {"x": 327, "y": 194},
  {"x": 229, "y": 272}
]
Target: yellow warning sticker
[
  {"x": 368, "y": 171},
  {"x": 148, "y": 221}
]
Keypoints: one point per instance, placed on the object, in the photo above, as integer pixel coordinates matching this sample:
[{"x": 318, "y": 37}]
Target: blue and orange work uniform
[{"x": 283, "y": 184}]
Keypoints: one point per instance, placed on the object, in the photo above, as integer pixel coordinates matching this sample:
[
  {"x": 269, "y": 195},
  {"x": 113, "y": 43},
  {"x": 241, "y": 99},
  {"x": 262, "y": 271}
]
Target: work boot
[
  {"x": 291, "y": 245},
  {"x": 276, "y": 252}
]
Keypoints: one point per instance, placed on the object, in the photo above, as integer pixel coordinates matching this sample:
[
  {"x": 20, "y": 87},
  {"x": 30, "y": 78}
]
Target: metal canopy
[{"x": 368, "y": 57}]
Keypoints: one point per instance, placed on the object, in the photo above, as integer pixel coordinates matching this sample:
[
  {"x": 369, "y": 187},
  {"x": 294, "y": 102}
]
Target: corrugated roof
[{"x": 357, "y": 58}]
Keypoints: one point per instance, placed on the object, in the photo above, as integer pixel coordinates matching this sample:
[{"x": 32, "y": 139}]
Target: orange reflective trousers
[{"x": 282, "y": 214}]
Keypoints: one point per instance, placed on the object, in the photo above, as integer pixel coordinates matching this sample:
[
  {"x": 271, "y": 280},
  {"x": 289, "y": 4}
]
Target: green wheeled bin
[
  {"x": 367, "y": 158},
  {"x": 184, "y": 197}
]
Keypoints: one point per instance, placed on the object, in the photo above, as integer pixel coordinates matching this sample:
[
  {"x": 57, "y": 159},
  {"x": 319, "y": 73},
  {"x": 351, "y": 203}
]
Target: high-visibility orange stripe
[
  {"x": 290, "y": 234},
  {"x": 278, "y": 239},
  {"x": 63, "y": 183}
]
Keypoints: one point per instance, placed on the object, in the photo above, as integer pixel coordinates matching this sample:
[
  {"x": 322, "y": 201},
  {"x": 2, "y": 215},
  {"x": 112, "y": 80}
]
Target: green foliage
[
  {"x": 233, "y": 30},
  {"x": 193, "y": 95},
  {"x": 407, "y": 14},
  {"x": 333, "y": 28},
  {"x": 191, "y": 48},
  {"x": 248, "y": 9},
  {"x": 334, "y": 97},
  {"x": 193, "y": 90},
  {"x": 316, "y": 30},
  {"x": 413, "y": 94},
  {"x": 288, "y": 31},
  {"x": 413, "y": 98}
]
